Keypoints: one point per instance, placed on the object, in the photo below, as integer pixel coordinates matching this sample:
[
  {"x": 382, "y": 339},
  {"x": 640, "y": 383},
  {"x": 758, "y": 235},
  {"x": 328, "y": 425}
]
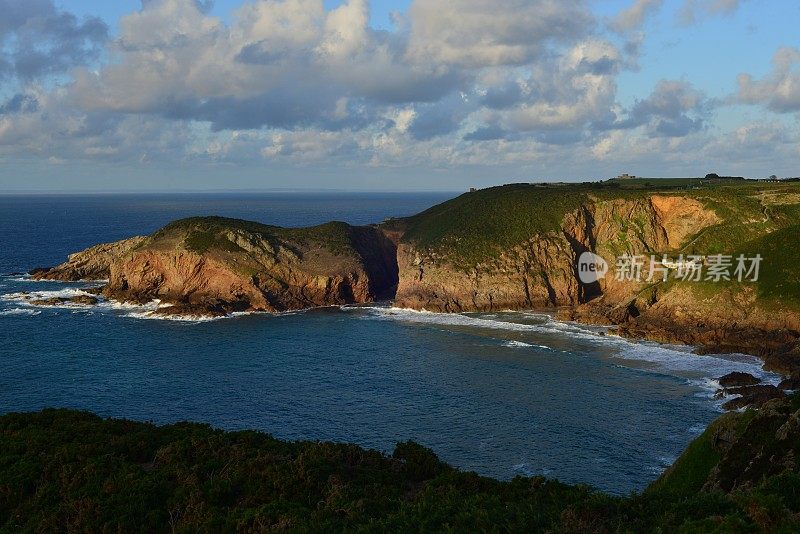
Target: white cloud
[
  {"x": 516, "y": 84},
  {"x": 780, "y": 89},
  {"x": 633, "y": 16},
  {"x": 477, "y": 33}
]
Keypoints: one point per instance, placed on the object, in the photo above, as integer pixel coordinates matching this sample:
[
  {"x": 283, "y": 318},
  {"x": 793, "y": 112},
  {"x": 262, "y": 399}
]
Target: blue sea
[{"x": 503, "y": 394}]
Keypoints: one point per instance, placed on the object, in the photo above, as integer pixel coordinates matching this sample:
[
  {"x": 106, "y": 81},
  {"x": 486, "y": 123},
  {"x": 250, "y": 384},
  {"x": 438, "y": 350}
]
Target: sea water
[{"x": 503, "y": 394}]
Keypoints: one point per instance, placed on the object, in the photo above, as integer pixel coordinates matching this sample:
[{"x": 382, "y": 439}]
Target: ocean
[{"x": 503, "y": 394}]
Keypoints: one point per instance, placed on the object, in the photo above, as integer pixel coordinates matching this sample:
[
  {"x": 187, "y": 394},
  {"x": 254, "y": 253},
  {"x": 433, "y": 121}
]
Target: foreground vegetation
[{"x": 68, "y": 470}]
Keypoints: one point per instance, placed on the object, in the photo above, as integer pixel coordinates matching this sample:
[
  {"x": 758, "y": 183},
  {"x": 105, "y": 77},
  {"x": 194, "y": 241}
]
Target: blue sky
[{"x": 422, "y": 94}]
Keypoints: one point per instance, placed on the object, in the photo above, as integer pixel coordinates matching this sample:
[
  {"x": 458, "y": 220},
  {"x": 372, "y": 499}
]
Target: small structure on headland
[{"x": 626, "y": 176}]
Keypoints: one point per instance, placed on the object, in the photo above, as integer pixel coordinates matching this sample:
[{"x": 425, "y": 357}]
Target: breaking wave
[
  {"x": 702, "y": 370},
  {"x": 19, "y": 311}
]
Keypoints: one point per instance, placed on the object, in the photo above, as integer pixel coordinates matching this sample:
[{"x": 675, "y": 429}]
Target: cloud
[
  {"x": 37, "y": 39},
  {"x": 634, "y": 15},
  {"x": 20, "y": 103},
  {"x": 524, "y": 85},
  {"x": 477, "y": 33},
  {"x": 505, "y": 95},
  {"x": 291, "y": 64},
  {"x": 280, "y": 64},
  {"x": 779, "y": 90},
  {"x": 673, "y": 109},
  {"x": 693, "y": 10},
  {"x": 568, "y": 92},
  {"x": 486, "y": 133}
]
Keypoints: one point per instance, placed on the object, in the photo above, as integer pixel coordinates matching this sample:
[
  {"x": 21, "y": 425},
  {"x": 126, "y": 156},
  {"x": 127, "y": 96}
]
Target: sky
[{"x": 163, "y": 95}]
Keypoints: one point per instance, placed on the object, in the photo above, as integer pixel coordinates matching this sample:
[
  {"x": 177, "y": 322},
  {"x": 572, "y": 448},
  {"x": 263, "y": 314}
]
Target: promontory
[{"x": 510, "y": 247}]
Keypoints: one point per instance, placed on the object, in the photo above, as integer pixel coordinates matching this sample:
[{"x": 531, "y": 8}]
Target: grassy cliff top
[
  {"x": 65, "y": 468},
  {"x": 477, "y": 226},
  {"x": 201, "y": 234}
]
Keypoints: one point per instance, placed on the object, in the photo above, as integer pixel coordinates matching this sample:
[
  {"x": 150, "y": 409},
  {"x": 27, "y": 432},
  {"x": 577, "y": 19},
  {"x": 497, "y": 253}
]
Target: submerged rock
[{"x": 57, "y": 301}]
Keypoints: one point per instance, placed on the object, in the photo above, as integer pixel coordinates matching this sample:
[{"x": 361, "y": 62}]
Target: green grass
[
  {"x": 202, "y": 234},
  {"x": 203, "y": 241},
  {"x": 689, "y": 472},
  {"x": 476, "y": 227},
  {"x": 335, "y": 236},
  {"x": 214, "y": 224},
  {"x": 779, "y": 276}
]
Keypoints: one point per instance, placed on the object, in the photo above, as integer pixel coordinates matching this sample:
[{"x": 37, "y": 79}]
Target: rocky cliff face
[
  {"x": 542, "y": 271},
  {"x": 513, "y": 247},
  {"x": 94, "y": 263},
  {"x": 215, "y": 266}
]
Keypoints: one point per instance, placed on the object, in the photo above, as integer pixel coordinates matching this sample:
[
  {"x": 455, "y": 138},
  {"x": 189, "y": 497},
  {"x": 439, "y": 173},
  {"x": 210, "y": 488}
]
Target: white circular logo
[{"x": 591, "y": 267}]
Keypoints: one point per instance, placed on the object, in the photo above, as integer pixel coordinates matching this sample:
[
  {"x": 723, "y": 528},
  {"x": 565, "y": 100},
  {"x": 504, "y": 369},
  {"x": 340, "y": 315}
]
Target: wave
[
  {"x": 521, "y": 344},
  {"x": 697, "y": 429},
  {"x": 19, "y": 311},
  {"x": 26, "y": 278},
  {"x": 523, "y": 469},
  {"x": 514, "y": 343},
  {"x": 66, "y": 293},
  {"x": 153, "y": 315},
  {"x": 157, "y": 315},
  {"x": 670, "y": 359}
]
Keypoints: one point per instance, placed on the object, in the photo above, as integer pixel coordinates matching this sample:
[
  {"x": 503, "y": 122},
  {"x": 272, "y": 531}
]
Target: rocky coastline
[{"x": 215, "y": 266}]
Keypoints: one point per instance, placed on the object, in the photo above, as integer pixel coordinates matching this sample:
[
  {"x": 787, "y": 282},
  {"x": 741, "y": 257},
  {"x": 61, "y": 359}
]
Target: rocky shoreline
[
  {"x": 740, "y": 389},
  {"x": 460, "y": 257}
]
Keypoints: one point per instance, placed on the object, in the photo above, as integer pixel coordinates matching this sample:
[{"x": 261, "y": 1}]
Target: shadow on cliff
[{"x": 379, "y": 255}]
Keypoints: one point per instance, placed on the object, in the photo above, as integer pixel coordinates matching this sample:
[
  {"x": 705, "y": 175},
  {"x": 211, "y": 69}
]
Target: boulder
[
  {"x": 753, "y": 396},
  {"x": 738, "y": 379}
]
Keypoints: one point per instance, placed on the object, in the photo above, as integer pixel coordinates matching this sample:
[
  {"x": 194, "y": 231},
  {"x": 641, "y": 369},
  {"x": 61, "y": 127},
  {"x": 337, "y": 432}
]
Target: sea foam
[
  {"x": 19, "y": 311},
  {"x": 668, "y": 359}
]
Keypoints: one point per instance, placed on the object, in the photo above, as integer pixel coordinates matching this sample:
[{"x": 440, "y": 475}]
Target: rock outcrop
[
  {"x": 510, "y": 247},
  {"x": 94, "y": 263},
  {"x": 739, "y": 451},
  {"x": 216, "y": 266},
  {"x": 541, "y": 272},
  {"x": 86, "y": 300}
]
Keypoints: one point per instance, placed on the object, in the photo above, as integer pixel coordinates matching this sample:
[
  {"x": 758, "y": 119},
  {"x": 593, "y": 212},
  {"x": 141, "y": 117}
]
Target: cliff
[
  {"x": 511, "y": 247},
  {"x": 541, "y": 270},
  {"x": 518, "y": 246},
  {"x": 94, "y": 263},
  {"x": 213, "y": 265}
]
